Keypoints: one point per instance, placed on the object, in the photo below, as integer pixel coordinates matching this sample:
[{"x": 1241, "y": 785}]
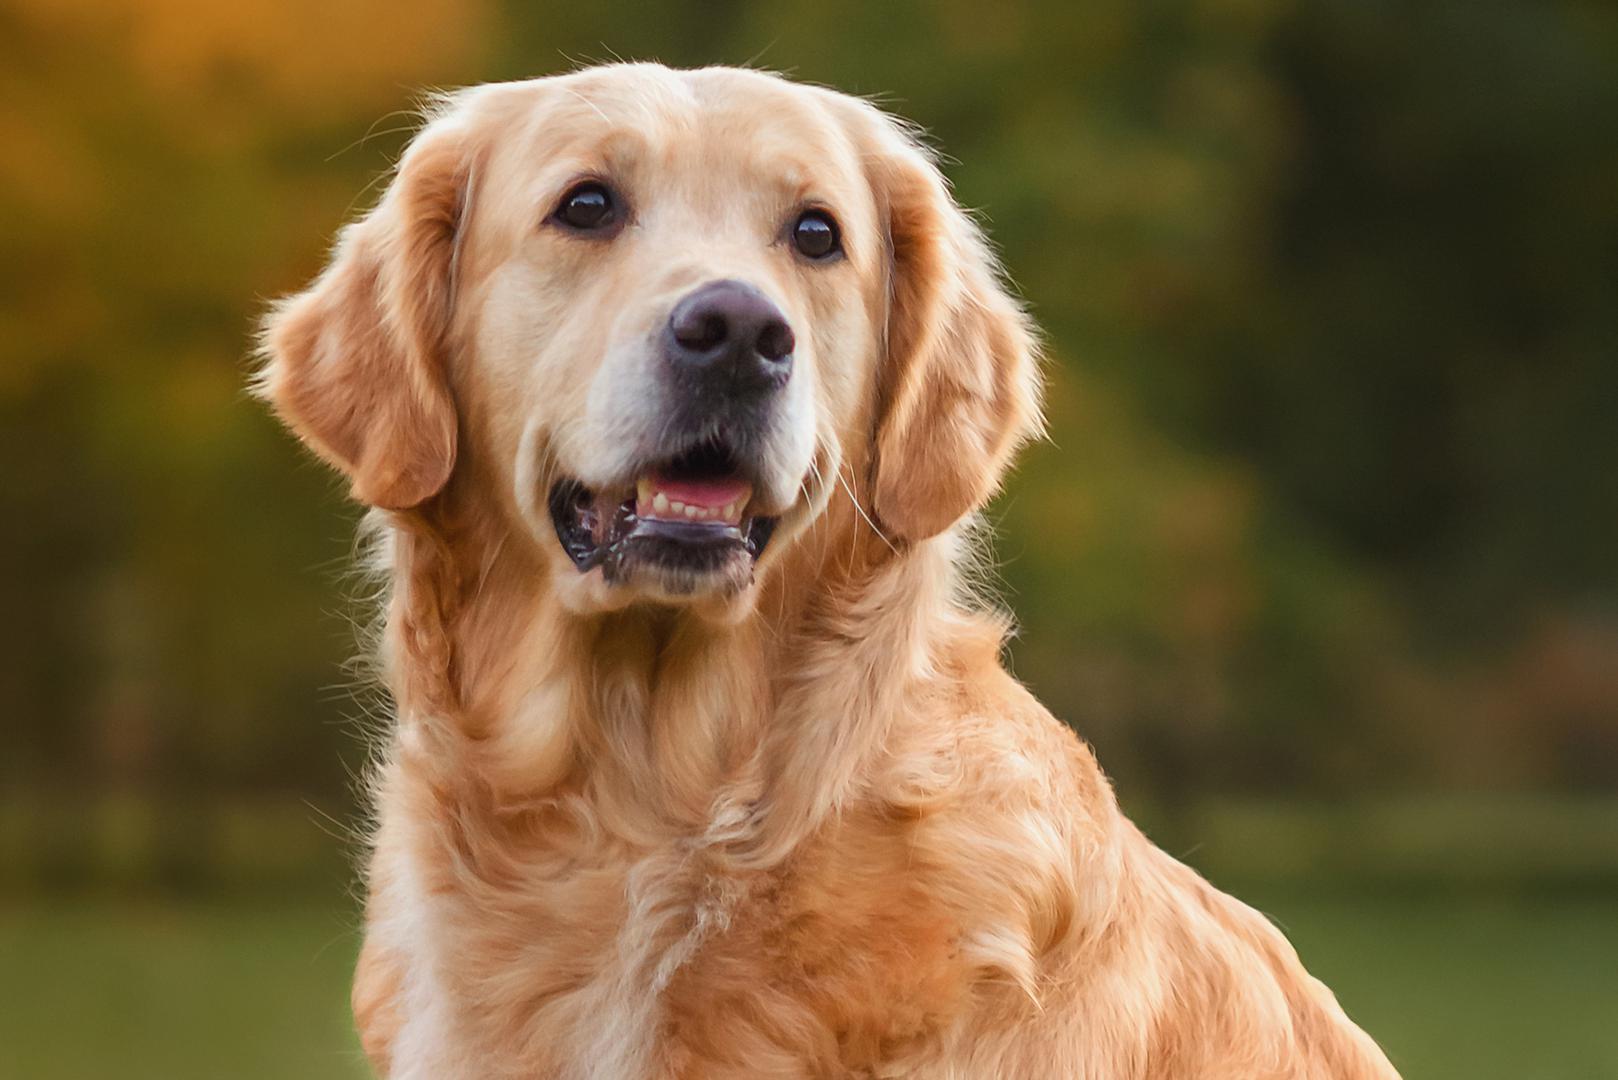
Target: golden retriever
[{"x": 674, "y": 394}]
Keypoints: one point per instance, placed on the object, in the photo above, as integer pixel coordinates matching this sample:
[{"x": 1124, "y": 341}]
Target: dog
[{"x": 673, "y": 395}]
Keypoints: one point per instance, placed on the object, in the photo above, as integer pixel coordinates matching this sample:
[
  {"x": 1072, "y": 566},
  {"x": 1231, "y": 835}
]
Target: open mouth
[{"x": 691, "y": 515}]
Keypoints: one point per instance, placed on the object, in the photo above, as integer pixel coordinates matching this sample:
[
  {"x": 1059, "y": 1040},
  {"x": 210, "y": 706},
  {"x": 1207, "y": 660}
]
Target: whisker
[
  {"x": 874, "y": 528},
  {"x": 593, "y": 106},
  {"x": 756, "y": 57},
  {"x": 372, "y": 133},
  {"x": 488, "y": 566}
]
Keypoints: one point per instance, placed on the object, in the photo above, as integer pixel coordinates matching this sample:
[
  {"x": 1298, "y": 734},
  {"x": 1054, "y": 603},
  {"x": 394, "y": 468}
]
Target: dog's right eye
[{"x": 587, "y": 207}]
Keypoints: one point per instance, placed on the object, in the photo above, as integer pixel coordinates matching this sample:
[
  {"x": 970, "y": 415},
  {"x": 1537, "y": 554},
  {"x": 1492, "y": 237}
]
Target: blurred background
[{"x": 1322, "y": 554}]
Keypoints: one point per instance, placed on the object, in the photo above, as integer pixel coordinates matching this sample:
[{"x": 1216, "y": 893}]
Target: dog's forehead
[{"x": 713, "y": 129}]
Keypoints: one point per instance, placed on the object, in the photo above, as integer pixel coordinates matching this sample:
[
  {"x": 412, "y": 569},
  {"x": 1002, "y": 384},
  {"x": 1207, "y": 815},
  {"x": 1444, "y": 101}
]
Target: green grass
[
  {"x": 1455, "y": 985},
  {"x": 183, "y": 991},
  {"x": 1475, "y": 986}
]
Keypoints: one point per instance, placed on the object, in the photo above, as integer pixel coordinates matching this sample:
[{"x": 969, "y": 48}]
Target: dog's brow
[{"x": 592, "y": 106}]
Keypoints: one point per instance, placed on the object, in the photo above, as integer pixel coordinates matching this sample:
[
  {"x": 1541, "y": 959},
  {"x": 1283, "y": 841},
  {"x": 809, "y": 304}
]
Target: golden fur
[{"x": 810, "y": 828}]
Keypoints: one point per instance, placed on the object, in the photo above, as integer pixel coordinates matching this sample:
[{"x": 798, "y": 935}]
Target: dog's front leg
[{"x": 378, "y": 984}]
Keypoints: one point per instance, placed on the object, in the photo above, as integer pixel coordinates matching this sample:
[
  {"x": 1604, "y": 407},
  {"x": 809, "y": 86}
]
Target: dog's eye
[
  {"x": 816, "y": 236},
  {"x": 588, "y": 207}
]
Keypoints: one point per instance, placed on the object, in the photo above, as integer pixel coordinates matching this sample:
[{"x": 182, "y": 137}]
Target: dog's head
[{"x": 664, "y": 317}]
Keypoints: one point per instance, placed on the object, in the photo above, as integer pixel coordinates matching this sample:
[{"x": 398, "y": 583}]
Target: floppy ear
[
  {"x": 960, "y": 389},
  {"x": 354, "y": 365}
]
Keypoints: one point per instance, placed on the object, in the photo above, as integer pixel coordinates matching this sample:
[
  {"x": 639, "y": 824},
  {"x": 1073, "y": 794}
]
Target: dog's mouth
[{"x": 690, "y": 516}]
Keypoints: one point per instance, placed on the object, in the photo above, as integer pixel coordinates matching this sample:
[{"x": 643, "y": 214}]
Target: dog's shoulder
[
  {"x": 1005, "y": 819},
  {"x": 981, "y": 745}
]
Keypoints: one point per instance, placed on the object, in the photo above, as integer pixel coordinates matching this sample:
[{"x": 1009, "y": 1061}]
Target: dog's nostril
[
  {"x": 775, "y": 340},
  {"x": 700, "y": 330}
]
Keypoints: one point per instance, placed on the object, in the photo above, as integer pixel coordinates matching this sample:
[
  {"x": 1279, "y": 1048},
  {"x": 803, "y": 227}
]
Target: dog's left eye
[
  {"x": 816, "y": 236},
  {"x": 588, "y": 207}
]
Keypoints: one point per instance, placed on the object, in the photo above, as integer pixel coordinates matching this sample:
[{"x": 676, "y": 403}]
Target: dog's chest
[{"x": 658, "y": 963}]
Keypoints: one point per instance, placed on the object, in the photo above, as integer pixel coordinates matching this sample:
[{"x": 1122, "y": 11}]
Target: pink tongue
[{"x": 708, "y": 494}]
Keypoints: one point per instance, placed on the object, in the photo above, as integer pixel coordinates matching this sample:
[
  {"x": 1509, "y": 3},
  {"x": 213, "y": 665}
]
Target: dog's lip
[
  {"x": 692, "y": 511},
  {"x": 603, "y": 528}
]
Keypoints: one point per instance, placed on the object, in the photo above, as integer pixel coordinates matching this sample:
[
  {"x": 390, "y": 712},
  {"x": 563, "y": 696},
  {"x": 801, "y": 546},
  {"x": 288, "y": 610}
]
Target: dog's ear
[
  {"x": 960, "y": 381},
  {"x": 355, "y": 364}
]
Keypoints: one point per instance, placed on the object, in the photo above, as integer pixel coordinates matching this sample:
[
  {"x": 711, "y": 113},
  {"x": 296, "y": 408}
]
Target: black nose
[{"x": 730, "y": 338}]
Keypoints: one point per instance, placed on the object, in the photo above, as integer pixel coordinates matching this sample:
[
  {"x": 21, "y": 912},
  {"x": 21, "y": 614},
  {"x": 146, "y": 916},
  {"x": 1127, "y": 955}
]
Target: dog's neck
[{"x": 748, "y": 732}]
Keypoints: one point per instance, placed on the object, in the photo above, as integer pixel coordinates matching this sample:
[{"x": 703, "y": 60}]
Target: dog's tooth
[
  {"x": 660, "y": 503},
  {"x": 676, "y": 506},
  {"x": 690, "y": 511},
  {"x": 730, "y": 511},
  {"x": 643, "y": 490}
]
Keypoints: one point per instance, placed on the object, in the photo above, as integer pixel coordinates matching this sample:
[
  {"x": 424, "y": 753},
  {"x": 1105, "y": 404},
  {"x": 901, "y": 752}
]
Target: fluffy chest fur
[
  {"x": 978, "y": 908},
  {"x": 559, "y": 950}
]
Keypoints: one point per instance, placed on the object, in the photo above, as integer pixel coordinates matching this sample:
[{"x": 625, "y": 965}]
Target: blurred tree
[{"x": 1331, "y": 286}]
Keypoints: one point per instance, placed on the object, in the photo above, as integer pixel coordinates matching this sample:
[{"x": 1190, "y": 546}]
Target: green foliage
[{"x": 1331, "y": 291}]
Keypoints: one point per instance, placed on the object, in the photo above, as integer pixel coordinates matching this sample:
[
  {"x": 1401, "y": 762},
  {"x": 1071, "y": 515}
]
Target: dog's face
[
  {"x": 688, "y": 296},
  {"x": 668, "y": 314}
]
